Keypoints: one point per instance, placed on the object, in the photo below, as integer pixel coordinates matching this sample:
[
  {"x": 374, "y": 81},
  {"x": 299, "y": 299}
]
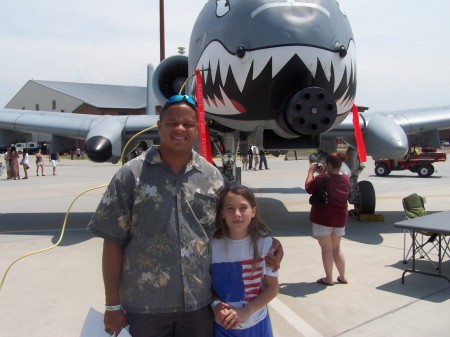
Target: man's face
[{"x": 178, "y": 129}]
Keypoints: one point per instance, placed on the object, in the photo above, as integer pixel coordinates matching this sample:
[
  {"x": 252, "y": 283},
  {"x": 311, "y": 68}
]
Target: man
[
  {"x": 255, "y": 152},
  {"x": 157, "y": 217},
  {"x": 262, "y": 159},
  {"x": 250, "y": 156}
]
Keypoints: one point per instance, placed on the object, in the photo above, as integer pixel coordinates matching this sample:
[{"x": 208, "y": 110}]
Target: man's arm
[
  {"x": 274, "y": 261},
  {"x": 112, "y": 267}
]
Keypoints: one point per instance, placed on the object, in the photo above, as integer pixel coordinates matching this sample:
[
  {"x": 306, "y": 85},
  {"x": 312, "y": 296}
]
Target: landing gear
[
  {"x": 366, "y": 200},
  {"x": 226, "y": 145},
  {"x": 228, "y": 168},
  {"x": 362, "y": 194}
]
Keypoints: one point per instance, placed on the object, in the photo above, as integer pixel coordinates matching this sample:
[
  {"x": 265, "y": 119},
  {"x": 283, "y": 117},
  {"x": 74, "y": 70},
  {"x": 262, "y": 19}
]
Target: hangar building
[{"x": 67, "y": 97}]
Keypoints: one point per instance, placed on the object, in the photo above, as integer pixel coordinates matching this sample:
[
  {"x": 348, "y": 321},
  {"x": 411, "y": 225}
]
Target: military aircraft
[{"x": 277, "y": 73}]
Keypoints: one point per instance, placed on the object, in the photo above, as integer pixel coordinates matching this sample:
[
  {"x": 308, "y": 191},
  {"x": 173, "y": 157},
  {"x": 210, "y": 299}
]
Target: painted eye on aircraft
[{"x": 223, "y": 7}]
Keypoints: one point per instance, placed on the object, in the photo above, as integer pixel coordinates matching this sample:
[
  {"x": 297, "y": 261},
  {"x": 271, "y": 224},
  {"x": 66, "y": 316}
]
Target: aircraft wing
[
  {"x": 388, "y": 134},
  {"x": 105, "y": 135}
]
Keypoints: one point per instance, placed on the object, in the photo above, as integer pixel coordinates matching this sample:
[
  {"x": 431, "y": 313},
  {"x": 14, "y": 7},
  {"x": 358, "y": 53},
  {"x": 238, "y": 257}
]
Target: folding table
[{"x": 438, "y": 223}]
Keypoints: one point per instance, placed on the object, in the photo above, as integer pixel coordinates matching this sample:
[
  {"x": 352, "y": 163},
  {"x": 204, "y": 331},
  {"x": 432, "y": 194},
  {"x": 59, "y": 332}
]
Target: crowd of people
[
  {"x": 13, "y": 162},
  {"x": 253, "y": 157}
]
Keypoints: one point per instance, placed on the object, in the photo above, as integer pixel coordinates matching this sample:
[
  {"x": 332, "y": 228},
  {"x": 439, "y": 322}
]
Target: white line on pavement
[{"x": 293, "y": 319}]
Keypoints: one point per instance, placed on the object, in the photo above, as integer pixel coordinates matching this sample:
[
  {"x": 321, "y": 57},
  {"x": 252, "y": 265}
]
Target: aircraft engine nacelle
[
  {"x": 384, "y": 138},
  {"x": 169, "y": 77},
  {"x": 104, "y": 141}
]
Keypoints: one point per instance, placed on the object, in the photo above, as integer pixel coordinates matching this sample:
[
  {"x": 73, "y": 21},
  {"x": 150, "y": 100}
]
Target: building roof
[{"x": 102, "y": 95}]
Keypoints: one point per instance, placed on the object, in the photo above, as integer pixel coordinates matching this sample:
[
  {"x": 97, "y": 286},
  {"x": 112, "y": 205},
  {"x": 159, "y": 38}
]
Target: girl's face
[{"x": 237, "y": 213}]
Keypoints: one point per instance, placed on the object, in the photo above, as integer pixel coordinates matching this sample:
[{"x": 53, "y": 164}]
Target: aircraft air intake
[{"x": 169, "y": 77}]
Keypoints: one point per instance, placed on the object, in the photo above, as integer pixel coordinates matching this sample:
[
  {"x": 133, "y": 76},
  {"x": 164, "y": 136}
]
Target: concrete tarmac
[{"x": 50, "y": 293}]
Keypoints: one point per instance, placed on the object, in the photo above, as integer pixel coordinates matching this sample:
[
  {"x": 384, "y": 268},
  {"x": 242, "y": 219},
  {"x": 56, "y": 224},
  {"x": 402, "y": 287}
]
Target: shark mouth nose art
[{"x": 310, "y": 109}]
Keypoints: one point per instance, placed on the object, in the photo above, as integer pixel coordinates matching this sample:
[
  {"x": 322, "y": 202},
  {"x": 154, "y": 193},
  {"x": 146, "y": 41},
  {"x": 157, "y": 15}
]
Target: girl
[
  {"x": 39, "y": 162},
  {"x": 240, "y": 278},
  {"x": 25, "y": 163}
]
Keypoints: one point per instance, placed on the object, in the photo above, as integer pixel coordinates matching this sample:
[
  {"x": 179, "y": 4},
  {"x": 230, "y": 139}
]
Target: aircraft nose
[{"x": 311, "y": 111}]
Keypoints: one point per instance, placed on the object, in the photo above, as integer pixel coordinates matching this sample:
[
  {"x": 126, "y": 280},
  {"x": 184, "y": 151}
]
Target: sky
[{"x": 402, "y": 46}]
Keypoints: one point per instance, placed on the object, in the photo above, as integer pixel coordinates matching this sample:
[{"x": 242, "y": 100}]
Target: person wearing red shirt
[{"x": 329, "y": 220}]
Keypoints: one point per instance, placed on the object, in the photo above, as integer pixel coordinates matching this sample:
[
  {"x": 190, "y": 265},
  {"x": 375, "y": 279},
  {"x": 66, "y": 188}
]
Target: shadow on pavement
[
  {"x": 47, "y": 223},
  {"x": 414, "y": 282},
  {"x": 286, "y": 223},
  {"x": 300, "y": 289}
]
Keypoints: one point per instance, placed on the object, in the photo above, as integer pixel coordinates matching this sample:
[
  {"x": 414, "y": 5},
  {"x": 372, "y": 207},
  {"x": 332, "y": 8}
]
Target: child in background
[{"x": 240, "y": 278}]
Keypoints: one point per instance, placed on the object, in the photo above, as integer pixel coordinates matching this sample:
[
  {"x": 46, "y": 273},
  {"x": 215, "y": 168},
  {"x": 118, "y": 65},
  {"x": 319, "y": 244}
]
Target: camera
[{"x": 319, "y": 167}]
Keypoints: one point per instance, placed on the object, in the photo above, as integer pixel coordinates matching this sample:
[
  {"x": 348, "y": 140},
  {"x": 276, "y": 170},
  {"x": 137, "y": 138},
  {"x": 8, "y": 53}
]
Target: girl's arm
[
  {"x": 232, "y": 317},
  {"x": 269, "y": 292}
]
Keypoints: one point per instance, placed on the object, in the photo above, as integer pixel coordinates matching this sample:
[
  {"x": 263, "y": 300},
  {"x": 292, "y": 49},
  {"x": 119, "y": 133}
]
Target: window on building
[{"x": 54, "y": 105}]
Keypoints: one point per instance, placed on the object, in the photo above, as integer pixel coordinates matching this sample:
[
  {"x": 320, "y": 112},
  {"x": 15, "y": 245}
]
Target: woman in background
[
  {"x": 329, "y": 220},
  {"x": 14, "y": 164},
  {"x": 25, "y": 163},
  {"x": 39, "y": 162},
  {"x": 7, "y": 161}
]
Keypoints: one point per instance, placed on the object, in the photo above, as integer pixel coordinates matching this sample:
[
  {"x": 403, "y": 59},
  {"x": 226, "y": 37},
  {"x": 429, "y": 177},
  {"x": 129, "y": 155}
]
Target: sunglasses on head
[{"x": 182, "y": 98}]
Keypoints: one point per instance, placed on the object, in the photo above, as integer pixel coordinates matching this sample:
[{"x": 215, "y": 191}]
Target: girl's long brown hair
[{"x": 257, "y": 227}]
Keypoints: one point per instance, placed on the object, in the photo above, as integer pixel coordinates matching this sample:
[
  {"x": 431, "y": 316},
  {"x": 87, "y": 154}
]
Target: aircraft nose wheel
[
  {"x": 366, "y": 201},
  {"x": 311, "y": 111}
]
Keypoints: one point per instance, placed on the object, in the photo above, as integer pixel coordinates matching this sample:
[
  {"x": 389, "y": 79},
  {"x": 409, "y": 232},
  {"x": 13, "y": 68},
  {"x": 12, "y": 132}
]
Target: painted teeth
[{"x": 280, "y": 56}]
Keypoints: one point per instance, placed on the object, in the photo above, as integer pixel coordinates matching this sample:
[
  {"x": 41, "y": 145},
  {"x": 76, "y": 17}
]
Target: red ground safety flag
[
  {"x": 361, "y": 148},
  {"x": 205, "y": 144}
]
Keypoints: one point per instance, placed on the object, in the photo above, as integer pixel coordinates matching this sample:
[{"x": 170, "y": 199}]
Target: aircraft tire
[
  {"x": 425, "y": 171},
  {"x": 381, "y": 170},
  {"x": 367, "y": 200}
]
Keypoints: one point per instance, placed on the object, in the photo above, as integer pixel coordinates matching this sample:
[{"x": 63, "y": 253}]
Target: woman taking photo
[{"x": 329, "y": 220}]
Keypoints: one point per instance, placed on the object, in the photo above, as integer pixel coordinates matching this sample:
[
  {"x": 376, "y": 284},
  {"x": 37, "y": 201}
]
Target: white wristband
[
  {"x": 215, "y": 303},
  {"x": 113, "y": 307}
]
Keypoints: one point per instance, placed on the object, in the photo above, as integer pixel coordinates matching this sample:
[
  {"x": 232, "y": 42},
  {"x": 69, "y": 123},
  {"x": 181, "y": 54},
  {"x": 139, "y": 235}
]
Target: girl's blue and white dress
[{"x": 235, "y": 283}]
